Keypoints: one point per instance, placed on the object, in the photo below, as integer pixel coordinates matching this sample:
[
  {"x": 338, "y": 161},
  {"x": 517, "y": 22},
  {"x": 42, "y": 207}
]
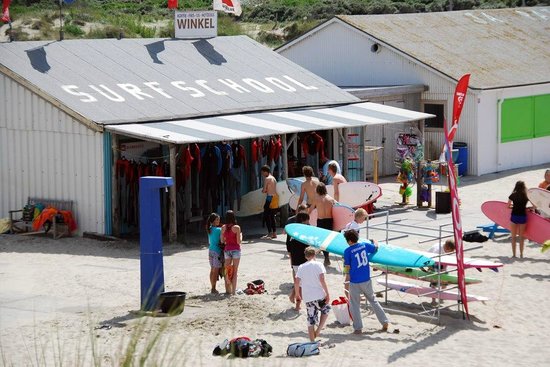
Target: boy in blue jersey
[{"x": 357, "y": 270}]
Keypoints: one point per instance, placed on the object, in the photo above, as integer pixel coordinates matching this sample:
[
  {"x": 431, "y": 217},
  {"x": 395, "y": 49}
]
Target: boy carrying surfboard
[
  {"x": 357, "y": 271},
  {"x": 307, "y": 189},
  {"x": 324, "y": 203}
]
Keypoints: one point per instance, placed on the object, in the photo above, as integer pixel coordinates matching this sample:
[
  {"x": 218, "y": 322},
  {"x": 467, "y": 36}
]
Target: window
[
  {"x": 525, "y": 118},
  {"x": 437, "y": 109}
]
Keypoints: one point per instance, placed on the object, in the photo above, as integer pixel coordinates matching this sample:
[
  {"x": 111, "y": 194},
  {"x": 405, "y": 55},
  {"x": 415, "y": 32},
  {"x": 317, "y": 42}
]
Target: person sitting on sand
[
  {"x": 357, "y": 271},
  {"x": 215, "y": 250},
  {"x": 545, "y": 185},
  {"x": 310, "y": 285},
  {"x": 232, "y": 237},
  {"x": 447, "y": 248}
]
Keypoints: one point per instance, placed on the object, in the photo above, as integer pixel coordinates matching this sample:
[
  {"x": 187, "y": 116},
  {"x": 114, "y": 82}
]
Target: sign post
[{"x": 150, "y": 240}]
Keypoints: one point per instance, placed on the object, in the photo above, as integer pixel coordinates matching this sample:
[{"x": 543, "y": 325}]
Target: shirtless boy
[
  {"x": 337, "y": 179},
  {"x": 308, "y": 186},
  {"x": 324, "y": 203},
  {"x": 271, "y": 201}
]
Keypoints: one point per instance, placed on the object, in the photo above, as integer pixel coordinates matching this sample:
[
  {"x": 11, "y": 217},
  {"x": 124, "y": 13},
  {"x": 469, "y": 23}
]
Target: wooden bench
[{"x": 22, "y": 223}]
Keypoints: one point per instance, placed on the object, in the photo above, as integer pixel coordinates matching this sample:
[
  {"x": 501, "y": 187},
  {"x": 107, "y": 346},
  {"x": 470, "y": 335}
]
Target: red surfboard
[{"x": 537, "y": 228}]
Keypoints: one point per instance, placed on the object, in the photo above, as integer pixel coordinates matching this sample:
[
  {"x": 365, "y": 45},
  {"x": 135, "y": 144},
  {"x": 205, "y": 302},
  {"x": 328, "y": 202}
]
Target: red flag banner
[
  {"x": 172, "y": 4},
  {"x": 6, "y": 11},
  {"x": 458, "y": 103},
  {"x": 228, "y": 6}
]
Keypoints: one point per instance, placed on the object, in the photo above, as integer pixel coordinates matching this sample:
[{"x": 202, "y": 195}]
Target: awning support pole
[
  {"x": 173, "y": 226},
  {"x": 115, "y": 210},
  {"x": 285, "y": 157},
  {"x": 343, "y": 133}
]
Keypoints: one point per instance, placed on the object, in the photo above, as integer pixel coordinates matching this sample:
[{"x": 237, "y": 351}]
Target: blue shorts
[
  {"x": 233, "y": 254},
  {"x": 518, "y": 219}
]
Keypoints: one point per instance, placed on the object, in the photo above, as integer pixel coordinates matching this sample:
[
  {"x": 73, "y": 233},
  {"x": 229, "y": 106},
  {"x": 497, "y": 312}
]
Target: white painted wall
[
  {"x": 46, "y": 153},
  {"x": 496, "y": 156},
  {"x": 342, "y": 55},
  {"x": 323, "y": 54}
]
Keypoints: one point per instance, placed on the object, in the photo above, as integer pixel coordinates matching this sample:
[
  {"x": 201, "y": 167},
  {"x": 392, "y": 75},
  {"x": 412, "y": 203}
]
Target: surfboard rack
[
  {"x": 492, "y": 229},
  {"x": 431, "y": 234}
]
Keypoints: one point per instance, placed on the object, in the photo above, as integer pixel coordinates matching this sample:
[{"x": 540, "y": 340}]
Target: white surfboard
[
  {"x": 252, "y": 203},
  {"x": 421, "y": 291},
  {"x": 356, "y": 194},
  {"x": 352, "y": 194},
  {"x": 541, "y": 199}
]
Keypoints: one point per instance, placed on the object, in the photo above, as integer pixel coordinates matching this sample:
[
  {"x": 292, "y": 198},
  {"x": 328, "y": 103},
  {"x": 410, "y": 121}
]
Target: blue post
[{"x": 150, "y": 239}]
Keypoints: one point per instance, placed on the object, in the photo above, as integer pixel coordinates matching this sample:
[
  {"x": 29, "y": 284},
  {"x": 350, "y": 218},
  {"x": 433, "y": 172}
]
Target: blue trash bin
[{"x": 462, "y": 159}]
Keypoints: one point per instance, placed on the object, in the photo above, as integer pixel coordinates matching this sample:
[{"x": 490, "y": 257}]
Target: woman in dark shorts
[{"x": 518, "y": 202}]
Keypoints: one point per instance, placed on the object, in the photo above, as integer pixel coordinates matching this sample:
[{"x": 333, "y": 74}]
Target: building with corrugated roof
[
  {"x": 415, "y": 60},
  {"x": 82, "y": 120}
]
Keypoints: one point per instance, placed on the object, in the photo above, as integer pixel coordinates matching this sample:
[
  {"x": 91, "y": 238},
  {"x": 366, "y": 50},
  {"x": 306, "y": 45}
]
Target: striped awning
[{"x": 245, "y": 126}]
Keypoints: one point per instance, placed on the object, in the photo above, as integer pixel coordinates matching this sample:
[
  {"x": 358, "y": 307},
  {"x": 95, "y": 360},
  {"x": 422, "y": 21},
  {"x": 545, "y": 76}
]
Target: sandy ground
[{"x": 54, "y": 294}]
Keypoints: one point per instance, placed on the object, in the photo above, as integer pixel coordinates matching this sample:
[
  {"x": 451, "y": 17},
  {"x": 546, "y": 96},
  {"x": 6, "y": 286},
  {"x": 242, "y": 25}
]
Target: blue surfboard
[{"x": 335, "y": 243}]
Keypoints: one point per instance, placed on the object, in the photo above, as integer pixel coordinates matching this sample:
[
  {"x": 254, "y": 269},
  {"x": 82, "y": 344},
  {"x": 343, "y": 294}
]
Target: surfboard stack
[{"x": 399, "y": 261}]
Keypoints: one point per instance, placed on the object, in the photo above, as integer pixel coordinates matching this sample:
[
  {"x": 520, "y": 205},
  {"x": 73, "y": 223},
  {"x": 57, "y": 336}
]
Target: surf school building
[
  {"x": 415, "y": 60},
  {"x": 82, "y": 120}
]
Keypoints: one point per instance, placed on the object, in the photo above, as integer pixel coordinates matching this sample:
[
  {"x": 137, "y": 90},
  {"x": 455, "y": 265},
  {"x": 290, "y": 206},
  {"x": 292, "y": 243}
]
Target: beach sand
[{"x": 70, "y": 301}]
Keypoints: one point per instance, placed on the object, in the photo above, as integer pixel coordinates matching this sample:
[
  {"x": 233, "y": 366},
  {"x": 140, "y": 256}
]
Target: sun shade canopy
[{"x": 245, "y": 126}]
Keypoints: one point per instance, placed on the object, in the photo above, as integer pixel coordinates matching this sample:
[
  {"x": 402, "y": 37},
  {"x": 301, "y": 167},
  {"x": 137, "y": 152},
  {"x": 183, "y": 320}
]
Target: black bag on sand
[{"x": 474, "y": 237}]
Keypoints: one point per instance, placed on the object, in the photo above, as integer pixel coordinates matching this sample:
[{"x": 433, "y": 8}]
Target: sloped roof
[
  {"x": 499, "y": 47},
  {"x": 113, "y": 81}
]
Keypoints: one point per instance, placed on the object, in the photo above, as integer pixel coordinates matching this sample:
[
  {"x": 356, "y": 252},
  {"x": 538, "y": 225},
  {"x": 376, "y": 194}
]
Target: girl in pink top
[{"x": 231, "y": 236}]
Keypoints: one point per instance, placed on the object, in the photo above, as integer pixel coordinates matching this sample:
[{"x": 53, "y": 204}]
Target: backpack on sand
[
  {"x": 303, "y": 349},
  {"x": 255, "y": 287}
]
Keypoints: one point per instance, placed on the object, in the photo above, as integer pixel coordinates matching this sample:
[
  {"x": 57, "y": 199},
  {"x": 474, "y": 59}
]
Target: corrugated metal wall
[
  {"x": 46, "y": 153},
  {"x": 342, "y": 55}
]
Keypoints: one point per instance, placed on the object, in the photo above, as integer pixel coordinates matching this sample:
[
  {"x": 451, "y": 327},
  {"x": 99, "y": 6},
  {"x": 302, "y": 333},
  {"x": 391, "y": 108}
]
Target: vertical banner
[
  {"x": 6, "y": 11},
  {"x": 458, "y": 103}
]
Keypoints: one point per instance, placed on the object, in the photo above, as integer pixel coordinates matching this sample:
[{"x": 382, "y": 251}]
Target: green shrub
[
  {"x": 73, "y": 30},
  {"x": 296, "y": 29},
  {"x": 270, "y": 38},
  {"x": 228, "y": 26},
  {"x": 18, "y": 34}
]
